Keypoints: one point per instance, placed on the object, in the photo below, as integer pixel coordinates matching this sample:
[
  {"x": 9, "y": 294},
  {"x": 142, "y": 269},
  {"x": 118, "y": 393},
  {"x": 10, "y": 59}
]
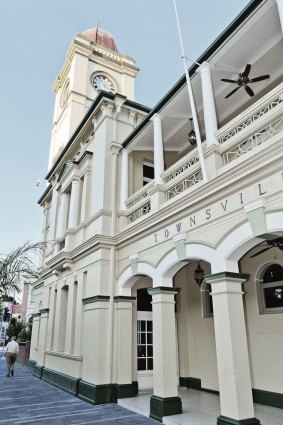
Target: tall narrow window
[
  {"x": 62, "y": 318},
  {"x": 144, "y": 331},
  {"x": 145, "y": 344},
  {"x": 148, "y": 172}
]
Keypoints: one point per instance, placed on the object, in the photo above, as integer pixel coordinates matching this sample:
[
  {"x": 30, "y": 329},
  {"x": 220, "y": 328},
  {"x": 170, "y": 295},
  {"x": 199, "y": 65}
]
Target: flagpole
[{"x": 191, "y": 98}]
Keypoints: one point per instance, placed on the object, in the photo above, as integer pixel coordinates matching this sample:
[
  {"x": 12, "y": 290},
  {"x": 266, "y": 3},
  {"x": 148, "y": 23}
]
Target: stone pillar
[
  {"x": 235, "y": 387},
  {"x": 123, "y": 351},
  {"x": 165, "y": 400},
  {"x": 124, "y": 186},
  {"x": 78, "y": 337},
  {"x": 209, "y": 111},
  {"x": 158, "y": 149},
  {"x": 94, "y": 386},
  {"x": 34, "y": 337},
  {"x": 51, "y": 321},
  {"x": 42, "y": 336},
  {"x": 74, "y": 204},
  {"x": 62, "y": 215},
  {"x": 280, "y": 11},
  {"x": 60, "y": 318},
  {"x": 85, "y": 198}
]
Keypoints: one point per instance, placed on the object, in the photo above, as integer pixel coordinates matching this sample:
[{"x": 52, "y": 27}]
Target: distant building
[{"x": 164, "y": 269}]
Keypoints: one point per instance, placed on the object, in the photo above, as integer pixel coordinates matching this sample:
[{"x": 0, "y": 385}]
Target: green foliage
[
  {"x": 24, "y": 335},
  {"x": 18, "y": 265},
  {"x": 14, "y": 328}
]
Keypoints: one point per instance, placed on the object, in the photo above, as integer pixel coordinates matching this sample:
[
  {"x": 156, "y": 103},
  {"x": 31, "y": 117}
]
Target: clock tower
[{"x": 92, "y": 63}]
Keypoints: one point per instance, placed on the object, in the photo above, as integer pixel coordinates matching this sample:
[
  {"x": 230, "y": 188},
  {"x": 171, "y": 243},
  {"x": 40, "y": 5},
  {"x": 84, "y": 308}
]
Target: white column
[
  {"x": 165, "y": 400},
  {"x": 85, "y": 198},
  {"x": 231, "y": 348},
  {"x": 158, "y": 149},
  {"x": 71, "y": 317},
  {"x": 280, "y": 10},
  {"x": 209, "y": 111},
  {"x": 124, "y": 186},
  {"x": 42, "y": 336},
  {"x": 62, "y": 215},
  {"x": 79, "y": 320},
  {"x": 74, "y": 204},
  {"x": 123, "y": 349},
  {"x": 53, "y": 213}
]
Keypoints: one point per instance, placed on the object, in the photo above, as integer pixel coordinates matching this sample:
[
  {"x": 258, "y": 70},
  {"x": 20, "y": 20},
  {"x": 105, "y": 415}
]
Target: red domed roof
[{"x": 101, "y": 37}]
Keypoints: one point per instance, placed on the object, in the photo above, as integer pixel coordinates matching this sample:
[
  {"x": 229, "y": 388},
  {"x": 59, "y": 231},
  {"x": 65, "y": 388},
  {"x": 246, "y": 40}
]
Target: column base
[
  {"x": 223, "y": 420},
  {"x": 167, "y": 406},
  {"x": 108, "y": 393}
]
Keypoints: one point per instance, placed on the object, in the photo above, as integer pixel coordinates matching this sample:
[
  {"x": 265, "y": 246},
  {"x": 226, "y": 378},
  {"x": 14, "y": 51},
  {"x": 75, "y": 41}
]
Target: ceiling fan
[
  {"x": 275, "y": 243},
  {"x": 244, "y": 80}
]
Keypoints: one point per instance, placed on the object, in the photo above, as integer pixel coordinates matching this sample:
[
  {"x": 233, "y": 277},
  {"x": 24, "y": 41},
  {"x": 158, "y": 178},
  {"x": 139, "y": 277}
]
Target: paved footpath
[{"x": 25, "y": 399}]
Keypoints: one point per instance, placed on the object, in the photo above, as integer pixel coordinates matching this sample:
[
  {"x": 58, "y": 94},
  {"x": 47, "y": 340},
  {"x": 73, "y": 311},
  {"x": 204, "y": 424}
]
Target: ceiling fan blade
[
  {"x": 228, "y": 81},
  {"x": 249, "y": 91},
  {"x": 262, "y": 77},
  {"x": 232, "y": 92},
  {"x": 247, "y": 70},
  {"x": 260, "y": 252}
]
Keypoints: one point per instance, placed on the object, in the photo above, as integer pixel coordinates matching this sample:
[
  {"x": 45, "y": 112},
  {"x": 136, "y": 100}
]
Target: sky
[{"x": 35, "y": 36}]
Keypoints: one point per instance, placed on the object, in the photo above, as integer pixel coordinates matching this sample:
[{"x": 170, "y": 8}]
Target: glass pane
[
  {"x": 273, "y": 297},
  {"x": 141, "y": 364},
  {"x": 141, "y": 351},
  {"x": 142, "y": 324},
  {"x": 148, "y": 171},
  {"x": 274, "y": 273},
  {"x": 149, "y": 351},
  {"x": 149, "y": 325},
  {"x": 149, "y": 338},
  {"x": 149, "y": 364},
  {"x": 142, "y": 338}
]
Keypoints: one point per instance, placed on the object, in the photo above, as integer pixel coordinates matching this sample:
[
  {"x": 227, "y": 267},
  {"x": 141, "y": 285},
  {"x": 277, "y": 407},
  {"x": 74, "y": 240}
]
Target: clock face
[{"x": 100, "y": 82}]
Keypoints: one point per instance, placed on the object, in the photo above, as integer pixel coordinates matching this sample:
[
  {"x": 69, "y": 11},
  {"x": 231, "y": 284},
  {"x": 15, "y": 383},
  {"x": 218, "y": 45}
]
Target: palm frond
[{"x": 17, "y": 265}]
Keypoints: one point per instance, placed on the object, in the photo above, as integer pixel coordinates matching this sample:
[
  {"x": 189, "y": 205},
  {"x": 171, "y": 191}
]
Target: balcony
[{"x": 252, "y": 131}]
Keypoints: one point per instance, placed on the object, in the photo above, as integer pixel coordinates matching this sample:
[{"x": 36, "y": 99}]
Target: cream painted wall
[{"x": 265, "y": 333}]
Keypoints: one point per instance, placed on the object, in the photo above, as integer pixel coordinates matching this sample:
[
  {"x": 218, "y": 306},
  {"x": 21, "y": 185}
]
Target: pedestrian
[{"x": 11, "y": 351}]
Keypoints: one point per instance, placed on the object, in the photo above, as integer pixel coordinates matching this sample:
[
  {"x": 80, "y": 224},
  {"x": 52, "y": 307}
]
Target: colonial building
[{"x": 165, "y": 258}]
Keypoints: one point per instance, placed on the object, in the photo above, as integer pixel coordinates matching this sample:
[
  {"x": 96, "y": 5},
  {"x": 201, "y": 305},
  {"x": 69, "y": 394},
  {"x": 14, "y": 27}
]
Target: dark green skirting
[
  {"x": 31, "y": 364},
  {"x": 223, "y": 420},
  {"x": 168, "y": 406},
  {"x": 65, "y": 382},
  {"x": 108, "y": 393},
  {"x": 268, "y": 398},
  {"x": 37, "y": 370}
]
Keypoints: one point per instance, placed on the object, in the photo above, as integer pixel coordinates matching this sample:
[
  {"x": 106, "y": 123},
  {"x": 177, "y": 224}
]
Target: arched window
[{"x": 271, "y": 289}]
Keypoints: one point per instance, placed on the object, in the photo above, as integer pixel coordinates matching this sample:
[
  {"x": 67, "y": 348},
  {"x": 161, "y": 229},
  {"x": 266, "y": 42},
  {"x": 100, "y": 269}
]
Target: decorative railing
[
  {"x": 261, "y": 110},
  {"x": 141, "y": 211},
  {"x": 180, "y": 167},
  {"x": 138, "y": 196},
  {"x": 251, "y": 119},
  {"x": 183, "y": 185},
  {"x": 256, "y": 139}
]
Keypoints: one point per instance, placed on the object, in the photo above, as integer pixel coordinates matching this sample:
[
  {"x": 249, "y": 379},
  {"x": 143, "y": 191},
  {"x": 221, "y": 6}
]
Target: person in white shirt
[{"x": 11, "y": 351}]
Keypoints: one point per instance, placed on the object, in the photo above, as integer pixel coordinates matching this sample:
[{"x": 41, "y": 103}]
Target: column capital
[
  {"x": 156, "y": 117},
  {"x": 204, "y": 67},
  {"x": 115, "y": 148},
  {"x": 224, "y": 276},
  {"x": 163, "y": 290}
]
